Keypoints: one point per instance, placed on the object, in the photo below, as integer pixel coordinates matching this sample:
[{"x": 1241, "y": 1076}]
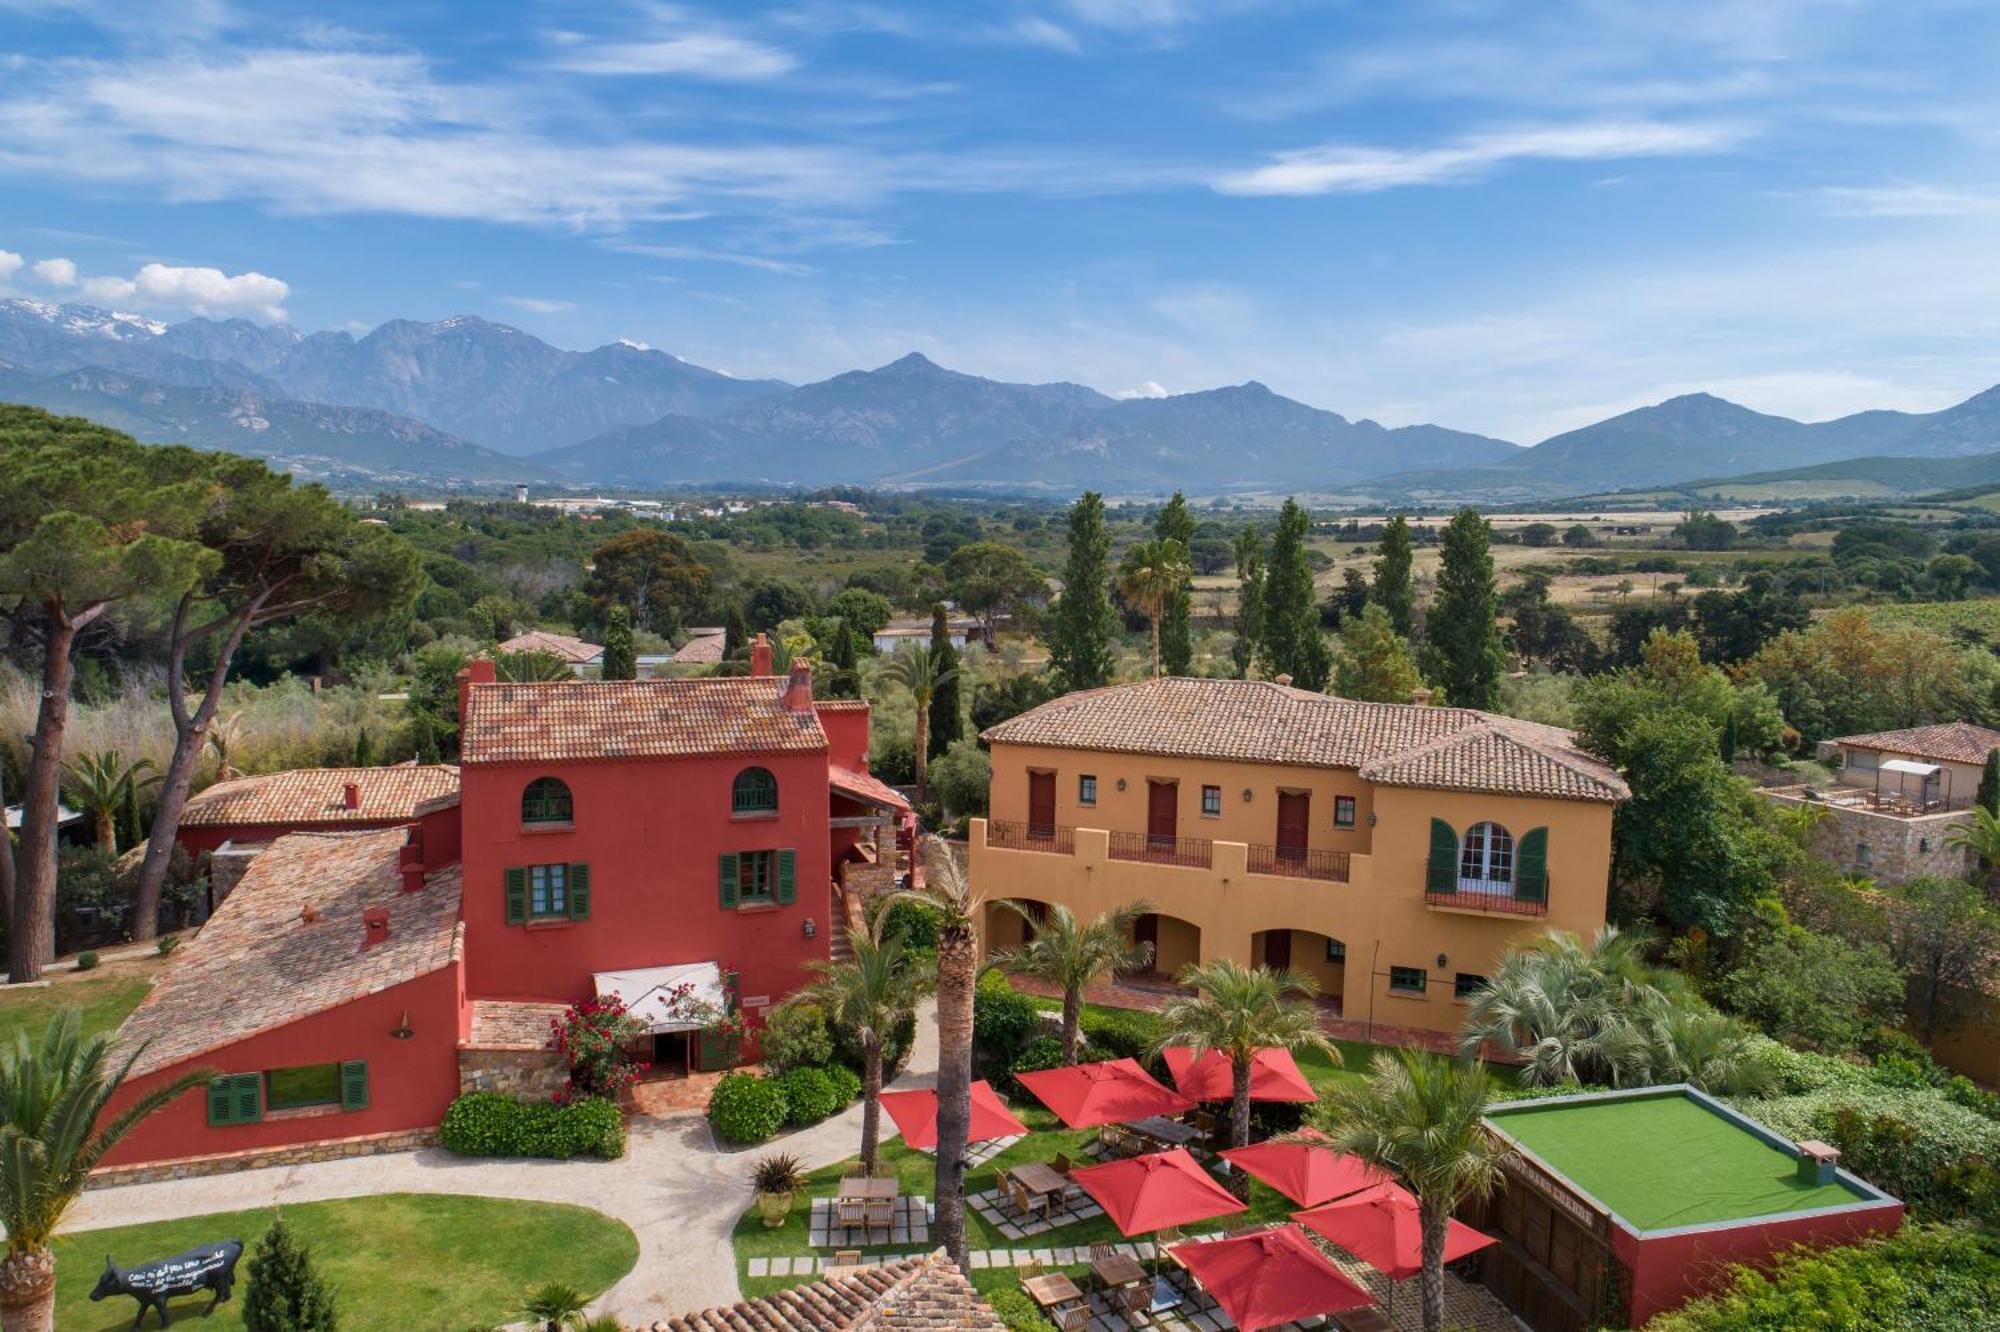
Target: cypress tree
[
  {"x": 1730, "y": 743},
  {"x": 947, "y": 711},
  {"x": 844, "y": 681},
  {"x": 1989, "y": 782},
  {"x": 1291, "y": 642},
  {"x": 621, "y": 660},
  {"x": 1249, "y": 598},
  {"x": 364, "y": 749},
  {"x": 1176, "y": 634},
  {"x": 286, "y": 1294},
  {"x": 133, "y": 832},
  {"x": 1462, "y": 650},
  {"x": 1080, "y": 642},
  {"x": 1393, "y": 590},
  {"x": 735, "y": 631}
]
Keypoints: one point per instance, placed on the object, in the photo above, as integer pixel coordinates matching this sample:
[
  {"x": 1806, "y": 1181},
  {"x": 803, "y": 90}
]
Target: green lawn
[
  {"x": 400, "y": 1260},
  {"x": 105, "y": 995}
]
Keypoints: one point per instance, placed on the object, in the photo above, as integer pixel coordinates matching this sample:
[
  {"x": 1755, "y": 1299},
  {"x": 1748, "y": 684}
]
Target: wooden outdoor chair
[
  {"x": 1025, "y": 1200},
  {"x": 850, "y": 1212},
  {"x": 1071, "y": 1317},
  {"x": 881, "y": 1212},
  {"x": 1100, "y": 1250},
  {"x": 846, "y": 1258},
  {"x": 1029, "y": 1270},
  {"x": 1061, "y": 1164},
  {"x": 853, "y": 1170},
  {"x": 885, "y": 1170},
  {"x": 1135, "y": 1302}
]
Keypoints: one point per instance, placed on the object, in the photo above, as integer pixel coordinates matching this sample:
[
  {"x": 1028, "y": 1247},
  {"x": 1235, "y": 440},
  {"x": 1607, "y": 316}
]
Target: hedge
[
  {"x": 795, "y": 1036},
  {"x": 809, "y": 1095},
  {"x": 1002, "y": 1020},
  {"x": 1017, "y": 1311},
  {"x": 745, "y": 1108},
  {"x": 490, "y": 1124}
]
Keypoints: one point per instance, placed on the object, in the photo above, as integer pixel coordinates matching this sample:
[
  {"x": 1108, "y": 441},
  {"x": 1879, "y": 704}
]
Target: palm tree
[
  {"x": 1706, "y": 1049},
  {"x": 866, "y": 997},
  {"x": 556, "y": 1305},
  {"x": 101, "y": 784},
  {"x": 1151, "y": 575},
  {"x": 916, "y": 670},
  {"x": 52, "y": 1097},
  {"x": 1981, "y": 837},
  {"x": 1574, "y": 1012},
  {"x": 1073, "y": 956},
  {"x": 1418, "y": 1116},
  {"x": 225, "y": 735},
  {"x": 1238, "y": 1011},
  {"x": 949, "y": 895}
]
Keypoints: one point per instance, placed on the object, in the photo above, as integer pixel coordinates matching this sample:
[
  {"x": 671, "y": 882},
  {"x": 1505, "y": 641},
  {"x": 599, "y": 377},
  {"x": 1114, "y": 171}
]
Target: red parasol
[
  {"x": 915, "y": 1113},
  {"x": 1274, "y": 1075},
  {"x": 1142, "y": 1194},
  {"x": 1308, "y": 1172},
  {"x": 1380, "y": 1226},
  {"x": 1270, "y": 1277},
  {"x": 1115, "y": 1091}
]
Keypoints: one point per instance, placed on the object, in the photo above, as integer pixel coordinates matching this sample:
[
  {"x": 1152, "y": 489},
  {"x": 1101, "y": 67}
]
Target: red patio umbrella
[
  {"x": 915, "y": 1113},
  {"x": 1274, "y": 1075},
  {"x": 1115, "y": 1091},
  {"x": 1307, "y": 1172},
  {"x": 1380, "y": 1226},
  {"x": 1142, "y": 1194},
  {"x": 1270, "y": 1277}
]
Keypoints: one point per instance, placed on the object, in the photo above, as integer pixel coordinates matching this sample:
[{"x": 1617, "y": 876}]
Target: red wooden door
[
  {"x": 1162, "y": 811},
  {"x": 1041, "y": 804},
  {"x": 1294, "y": 822},
  {"x": 1277, "y": 948}
]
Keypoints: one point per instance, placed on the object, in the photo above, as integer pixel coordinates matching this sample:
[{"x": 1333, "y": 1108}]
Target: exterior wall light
[
  {"x": 1442, "y": 960},
  {"x": 1371, "y": 818},
  {"x": 1246, "y": 795},
  {"x": 402, "y": 1031},
  {"x": 1121, "y": 783},
  {"x": 809, "y": 927}
]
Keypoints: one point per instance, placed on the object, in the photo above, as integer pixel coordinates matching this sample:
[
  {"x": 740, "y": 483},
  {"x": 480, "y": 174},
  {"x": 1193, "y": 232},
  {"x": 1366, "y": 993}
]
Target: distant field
[{"x": 1979, "y": 618}]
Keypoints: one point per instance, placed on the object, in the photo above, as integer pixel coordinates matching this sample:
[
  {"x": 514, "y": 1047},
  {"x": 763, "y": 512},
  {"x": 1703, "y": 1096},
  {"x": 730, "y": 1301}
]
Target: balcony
[
  {"x": 1477, "y": 899},
  {"x": 1190, "y": 852},
  {"x": 1053, "y": 839},
  {"x": 1327, "y": 866}
]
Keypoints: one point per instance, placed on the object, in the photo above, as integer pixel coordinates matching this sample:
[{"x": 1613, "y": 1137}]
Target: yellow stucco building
[{"x": 1393, "y": 851}]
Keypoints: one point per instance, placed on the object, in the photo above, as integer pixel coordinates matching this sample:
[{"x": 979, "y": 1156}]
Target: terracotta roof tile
[
  {"x": 257, "y": 964},
  {"x": 501, "y": 1024},
  {"x": 618, "y": 719},
  {"x": 865, "y": 787},
  {"x": 315, "y": 797},
  {"x": 572, "y": 650},
  {"x": 704, "y": 647},
  {"x": 1257, "y": 721},
  {"x": 1953, "y": 742},
  {"x": 921, "y": 1293}
]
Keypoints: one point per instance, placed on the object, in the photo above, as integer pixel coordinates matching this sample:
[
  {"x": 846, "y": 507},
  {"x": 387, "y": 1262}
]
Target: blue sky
[{"x": 1511, "y": 218}]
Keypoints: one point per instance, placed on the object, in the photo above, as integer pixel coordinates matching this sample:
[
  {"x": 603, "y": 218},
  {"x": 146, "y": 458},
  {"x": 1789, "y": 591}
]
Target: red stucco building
[{"x": 597, "y": 837}]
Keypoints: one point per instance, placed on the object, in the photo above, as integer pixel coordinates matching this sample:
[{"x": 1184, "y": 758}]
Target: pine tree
[
  {"x": 621, "y": 660},
  {"x": 1375, "y": 663},
  {"x": 1175, "y": 523},
  {"x": 947, "y": 710},
  {"x": 1291, "y": 643},
  {"x": 1462, "y": 650},
  {"x": 1080, "y": 642},
  {"x": 364, "y": 749},
  {"x": 286, "y": 1294},
  {"x": 1989, "y": 782},
  {"x": 1249, "y": 598},
  {"x": 1393, "y": 590}
]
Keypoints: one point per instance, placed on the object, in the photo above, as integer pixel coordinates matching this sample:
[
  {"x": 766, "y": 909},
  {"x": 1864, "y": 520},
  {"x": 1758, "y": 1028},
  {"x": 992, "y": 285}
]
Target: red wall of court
[
  {"x": 651, "y": 831},
  {"x": 410, "y": 1082},
  {"x": 1669, "y": 1270},
  {"x": 846, "y": 727}
]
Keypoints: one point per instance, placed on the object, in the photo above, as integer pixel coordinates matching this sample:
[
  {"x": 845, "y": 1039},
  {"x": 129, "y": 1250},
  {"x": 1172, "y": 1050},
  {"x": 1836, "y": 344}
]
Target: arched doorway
[
  {"x": 1176, "y": 944},
  {"x": 1008, "y": 928},
  {"x": 1319, "y": 956}
]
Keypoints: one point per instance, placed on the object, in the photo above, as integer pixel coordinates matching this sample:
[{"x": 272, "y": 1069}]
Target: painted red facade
[{"x": 1668, "y": 1270}]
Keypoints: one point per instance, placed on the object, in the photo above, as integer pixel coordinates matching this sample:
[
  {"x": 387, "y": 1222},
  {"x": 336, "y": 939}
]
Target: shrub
[
  {"x": 1816, "y": 990},
  {"x": 286, "y": 1294},
  {"x": 1002, "y": 1020},
  {"x": 87, "y": 960},
  {"x": 846, "y": 1083},
  {"x": 895, "y": 1046},
  {"x": 746, "y": 1108},
  {"x": 1040, "y": 1053},
  {"x": 1123, "y": 1034},
  {"x": 1017, "y": 1311},
  {"x": 795, "y": 1036},
  {"x": 595, "y": 1037},
  {"x": 167, "y": 944},
  {"x": 490, "y": 1124},
  {"x": 915, "y": 922},
  {"x": 809, "y": 1095}
]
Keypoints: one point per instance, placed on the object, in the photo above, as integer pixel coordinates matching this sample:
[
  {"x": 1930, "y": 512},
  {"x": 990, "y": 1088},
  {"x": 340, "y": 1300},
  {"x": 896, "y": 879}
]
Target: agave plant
[{"x": 780, "y": 1172}]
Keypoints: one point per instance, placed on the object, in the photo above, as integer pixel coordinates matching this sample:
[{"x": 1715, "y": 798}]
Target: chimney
[
  {"x": 799, "y": 693},
  {"x": 760, "y": 654},
  {"x": 374, "y": 926},
  {"x": 1285, "y": 680},
  {"x": 1420, "y": 696},
  {"x": 477, "y": 671},
  {"x": 308, "y": 914},
  {"x": 350, "y": 795}
]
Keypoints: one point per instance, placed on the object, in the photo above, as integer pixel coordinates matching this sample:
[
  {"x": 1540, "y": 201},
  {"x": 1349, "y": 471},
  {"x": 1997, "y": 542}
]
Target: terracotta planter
[{"x": 774, "y": 1208}]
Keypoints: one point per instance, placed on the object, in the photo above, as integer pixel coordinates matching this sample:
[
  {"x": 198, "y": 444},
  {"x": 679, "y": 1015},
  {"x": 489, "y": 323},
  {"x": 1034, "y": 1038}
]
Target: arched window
[
  {"x": 1487, "y": 856},
  {"x": 546, "y": 801},
  {"x": 755, "y": 792}
]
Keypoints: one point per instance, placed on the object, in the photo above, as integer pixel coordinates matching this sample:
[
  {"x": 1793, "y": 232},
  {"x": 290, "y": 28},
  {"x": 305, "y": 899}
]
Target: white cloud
[
  {"x": 1355, "y": 169},
  {"x": 55, "y": 272},
  {"x": 1911, "y": 201},
  {"x": 1034, "y": 30},
  {"x": 536, "y": 305},
  {"x": 700, "y": 254},
  {"x": 202, "y": 291},
  {"x": 719, "y": 56},
  {"x": 1149, "y": 389},
  {"x": 10, "y": 264}
]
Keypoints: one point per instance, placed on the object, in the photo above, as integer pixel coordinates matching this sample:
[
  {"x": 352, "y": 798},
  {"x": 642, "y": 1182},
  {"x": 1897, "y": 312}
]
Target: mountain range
[{"x": 464, "y": 401}]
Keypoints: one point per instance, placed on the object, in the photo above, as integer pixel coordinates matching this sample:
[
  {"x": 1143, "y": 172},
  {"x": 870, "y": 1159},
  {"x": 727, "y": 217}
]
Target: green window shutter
[
  {"x": 579, "y": 892},
  {"x": 237, "y": 1098},
  {"x": 354, "y": 1084},
  {"x": 726, "y": 863},
  {"x": 221, "y": 1101},
  {"x": 1443, "y": 875},
  {"x": 517, "y": 895},
  {"x": 787, "y": 874},
  {"x": 1531, "y": 866}
]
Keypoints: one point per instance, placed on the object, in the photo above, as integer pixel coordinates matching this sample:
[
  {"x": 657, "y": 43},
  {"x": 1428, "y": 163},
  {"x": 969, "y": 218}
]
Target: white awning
[
  {"x": 17, "y": 814},
  {"x": 1911, "y": 767},
  {"x": 649, "y": 992}
]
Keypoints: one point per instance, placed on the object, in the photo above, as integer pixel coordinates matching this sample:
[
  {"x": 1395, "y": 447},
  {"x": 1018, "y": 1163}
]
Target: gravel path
[{"x": 676, "y": 1187}]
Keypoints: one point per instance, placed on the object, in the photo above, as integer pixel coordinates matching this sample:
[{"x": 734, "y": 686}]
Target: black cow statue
[{"x": 210, "y": 1267}]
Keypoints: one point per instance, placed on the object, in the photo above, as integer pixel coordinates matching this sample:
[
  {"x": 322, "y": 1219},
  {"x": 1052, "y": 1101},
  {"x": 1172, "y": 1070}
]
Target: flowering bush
[{"x": 593, "y": 1036}]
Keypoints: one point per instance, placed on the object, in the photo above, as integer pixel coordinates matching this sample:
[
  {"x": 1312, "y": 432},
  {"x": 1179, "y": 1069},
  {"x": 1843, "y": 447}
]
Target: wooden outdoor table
[
  {"x": 1118, "y": 1269},
  {"x": 1040, "y": 1179},
  {"x": 1169, "y": 1131},
  {"x": 1052, "y": 1290},
  {"x": 864, "y": 1186},
  {"x": 1362, "y": 1320}
]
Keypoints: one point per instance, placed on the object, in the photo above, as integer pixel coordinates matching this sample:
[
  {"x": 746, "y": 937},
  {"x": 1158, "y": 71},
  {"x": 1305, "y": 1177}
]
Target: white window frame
[{"x": 1486, "y": 862}]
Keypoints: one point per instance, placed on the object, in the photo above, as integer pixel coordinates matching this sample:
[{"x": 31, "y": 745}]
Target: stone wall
[
  {"x": 864, "y": 882},
  {"x": 187, "y": 1167},
  {"x": 534, "y": 1075},
  {"x": 1886, "y": 848}
]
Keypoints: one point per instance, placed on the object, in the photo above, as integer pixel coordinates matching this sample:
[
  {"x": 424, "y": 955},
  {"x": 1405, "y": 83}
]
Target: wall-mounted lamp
[
  {"x": 1442, "y": 959},
  {"x": 402, "y": 1031},
  {"x": 1371, "y": 818},
  {"x": 1246, "y": 795},
  {"x": 809, "y": 927},
  {"x": 1121, "y": 783}
]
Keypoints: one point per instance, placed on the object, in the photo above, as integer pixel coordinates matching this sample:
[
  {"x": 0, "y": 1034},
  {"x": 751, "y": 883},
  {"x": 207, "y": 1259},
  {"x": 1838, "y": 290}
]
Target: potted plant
[{"x": 776, "y": 1178}]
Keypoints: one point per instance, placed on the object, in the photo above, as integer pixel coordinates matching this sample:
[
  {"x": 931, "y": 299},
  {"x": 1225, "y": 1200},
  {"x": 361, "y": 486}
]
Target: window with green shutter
[
  {"x": 579, "y": 892},
  {"x": 236, "y": 1098},
  {"x": 517, "y": 895},
  {"x": 1531, "y": 866},
  {"x": 787, "y": 876},
  {"x": 726, "y": 872},
  {"x": 354, "y": 1084},
  {"x": 1442, "y": 874}
]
